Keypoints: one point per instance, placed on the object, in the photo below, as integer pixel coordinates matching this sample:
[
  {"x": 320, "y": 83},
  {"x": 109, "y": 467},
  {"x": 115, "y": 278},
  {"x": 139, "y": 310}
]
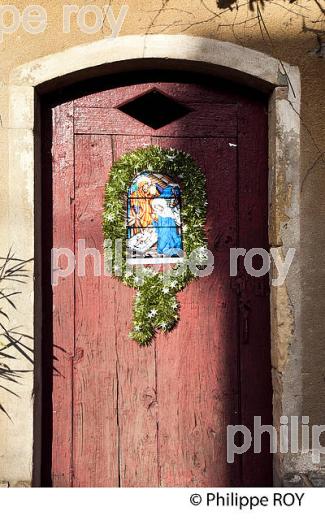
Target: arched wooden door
[{"x": 129, "y": 416}]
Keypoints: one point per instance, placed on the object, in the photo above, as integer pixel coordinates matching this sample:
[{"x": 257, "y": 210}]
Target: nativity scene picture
[{"x": 154, "y": 230}]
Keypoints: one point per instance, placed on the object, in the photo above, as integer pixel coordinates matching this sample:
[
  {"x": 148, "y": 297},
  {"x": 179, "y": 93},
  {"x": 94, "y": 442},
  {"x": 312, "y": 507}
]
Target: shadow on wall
[
  {"x": 13, "y": 343},
  {"x": 239, "y": 17}
]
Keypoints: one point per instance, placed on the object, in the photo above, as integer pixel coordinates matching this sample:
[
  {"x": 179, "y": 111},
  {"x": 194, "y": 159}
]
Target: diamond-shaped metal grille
[{"x": 155, "y": 109}]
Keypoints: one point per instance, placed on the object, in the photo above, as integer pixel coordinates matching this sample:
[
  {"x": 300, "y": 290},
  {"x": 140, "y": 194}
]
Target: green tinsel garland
[{"x": 155, "y": 306}]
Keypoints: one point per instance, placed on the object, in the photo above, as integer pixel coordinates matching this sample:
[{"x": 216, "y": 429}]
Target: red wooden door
[{"x": 157, "y": 416}]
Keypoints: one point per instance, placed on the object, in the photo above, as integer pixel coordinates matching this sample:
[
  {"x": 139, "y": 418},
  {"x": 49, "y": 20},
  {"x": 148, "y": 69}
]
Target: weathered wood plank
[
  {"x": 63, "y": 295},
  {"x": 207, "y": 119},
  {"x": 183, "y": 92},
  {"x": 254, "y": 334},
  {"x": 136, "y": 370},
  {"x": 95, "y": 427}
]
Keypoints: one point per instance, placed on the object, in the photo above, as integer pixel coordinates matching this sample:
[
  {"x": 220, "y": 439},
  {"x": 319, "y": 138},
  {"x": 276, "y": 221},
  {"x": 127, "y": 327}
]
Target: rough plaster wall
[{"x": 285, "y": 39}]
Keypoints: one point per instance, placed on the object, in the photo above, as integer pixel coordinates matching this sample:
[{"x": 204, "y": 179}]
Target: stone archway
[{"x": 220, "y": 59}]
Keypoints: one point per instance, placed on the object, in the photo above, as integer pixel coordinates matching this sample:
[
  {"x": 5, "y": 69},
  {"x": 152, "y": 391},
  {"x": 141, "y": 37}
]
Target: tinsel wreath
[{"x": 155, "y": 306}]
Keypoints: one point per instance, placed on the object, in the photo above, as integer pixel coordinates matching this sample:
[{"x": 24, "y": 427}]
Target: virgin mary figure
[{"x": 166, "y": 221}]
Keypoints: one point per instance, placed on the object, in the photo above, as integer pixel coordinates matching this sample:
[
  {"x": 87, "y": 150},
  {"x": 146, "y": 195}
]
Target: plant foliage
[{"x": 13, "y": 343}]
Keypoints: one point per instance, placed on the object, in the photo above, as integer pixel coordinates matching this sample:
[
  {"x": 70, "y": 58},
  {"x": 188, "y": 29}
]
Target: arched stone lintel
[{"x": 228, "y": 59}]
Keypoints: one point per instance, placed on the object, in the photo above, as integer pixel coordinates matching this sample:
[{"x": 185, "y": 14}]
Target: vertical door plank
[
  {"x": 95, "y": 430},
  {"x": 197, "y": 362},
  {"x": 63, "y": 294},
  {"x": 136, "y": 372},
  {"x": 255, "y": 359}
]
